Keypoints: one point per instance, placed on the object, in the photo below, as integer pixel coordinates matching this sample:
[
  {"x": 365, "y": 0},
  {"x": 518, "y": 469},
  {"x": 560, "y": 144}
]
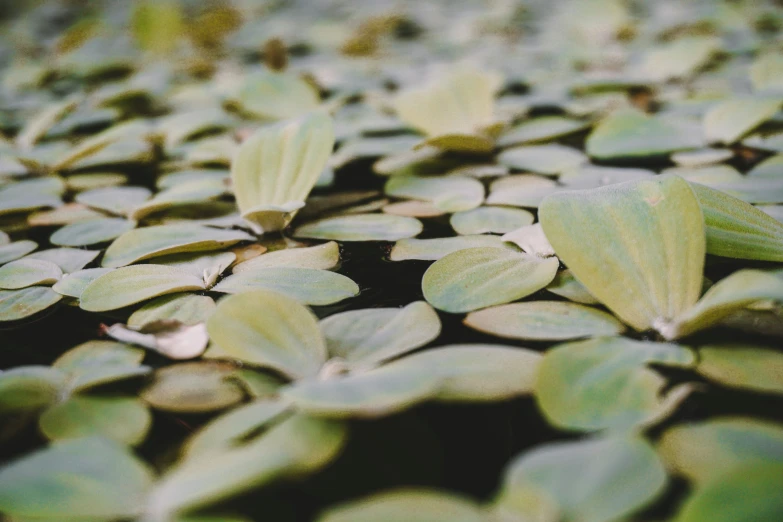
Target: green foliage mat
[{"x": 391, "y": 261}]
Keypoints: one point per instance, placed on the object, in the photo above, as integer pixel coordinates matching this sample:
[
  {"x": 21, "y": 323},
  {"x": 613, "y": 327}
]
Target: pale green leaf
[
  {"x": 479, "y": 277},
  {"x": 268, "y": 329}
]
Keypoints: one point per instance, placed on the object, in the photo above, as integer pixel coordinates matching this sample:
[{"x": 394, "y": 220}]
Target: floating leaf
[
  {"x": 484, "y": 220},
  {"x": 544, "y": 321},
  {"x": 733, "y": 293},
  {"x": 275, "y": 169},
  {"x": 92, "y": 478},
  {"x": 470, "y": 372},
  {"x": 745, "y": 493},
  {"x": 577, "y": 475},
  {"x": 647, "y": 283},
  {"x": 476, "y": 278},
  {"x": 737, "y": 229},
  {"x": 276, "y": 95},
  {"x": 28, "y": 272},
  {"x": 566, "y": 285},
  {"x": 544, "y": 128},
  {"x": 766, "y": 72},
  {"x": 100, "y": 362},
  {"x": 294, "y": 447},
  {"x": 72, "y": 285},
  {"x": 91, "y": 232},
  {"x": 229, "y": 429},
  {"x": 743, "y": 366},
  {"x": 446, "y": 193},
  {"x": 19, "y": 304},
  {"x": 436, "y": 248},
  {"x": 629, "y": 133},
  {"x": 15, "y": 250},
  {"x": 362, "y": 227},
  {"x": 708, "y": 449},
  {"x": 29, "y": 388},
  {"x": 115, "y": 200},
  {"x": 68, "y": 259},
  {"x": 132, "y": 284},
  {"x": 551, "y": 159},
  {"x": 576, "y": 380},
  {"x": 523, "y": 190},
  {"x": 729, "y": 120},
  {"x": 319, "y": 257},
  {"x": 378, "y": 334},
  {"x": 679, "y": 58},
  {"x": 144, "y": 243},
  {"x": 306, "y": 285},
  {"x": 124, "y": 420},
  {"x": 193, "y": 387},
  {"x": 268, "y": 329},
  {"x": 455, "y": 109},
  {"x": 701, "y": 157},
  {"x": 185, "y": 308},
  {"x": 591, "y": 176},
  {"x": 412, "y": 505}
]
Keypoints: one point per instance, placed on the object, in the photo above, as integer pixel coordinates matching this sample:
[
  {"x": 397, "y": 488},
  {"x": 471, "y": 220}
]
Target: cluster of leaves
[{"x": 598, "y": 200}]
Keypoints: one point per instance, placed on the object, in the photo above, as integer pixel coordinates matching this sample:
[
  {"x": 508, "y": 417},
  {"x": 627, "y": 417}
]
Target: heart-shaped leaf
[
  {"x": 637, "y": 246},
  {"x": 268, "y": 329}
]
